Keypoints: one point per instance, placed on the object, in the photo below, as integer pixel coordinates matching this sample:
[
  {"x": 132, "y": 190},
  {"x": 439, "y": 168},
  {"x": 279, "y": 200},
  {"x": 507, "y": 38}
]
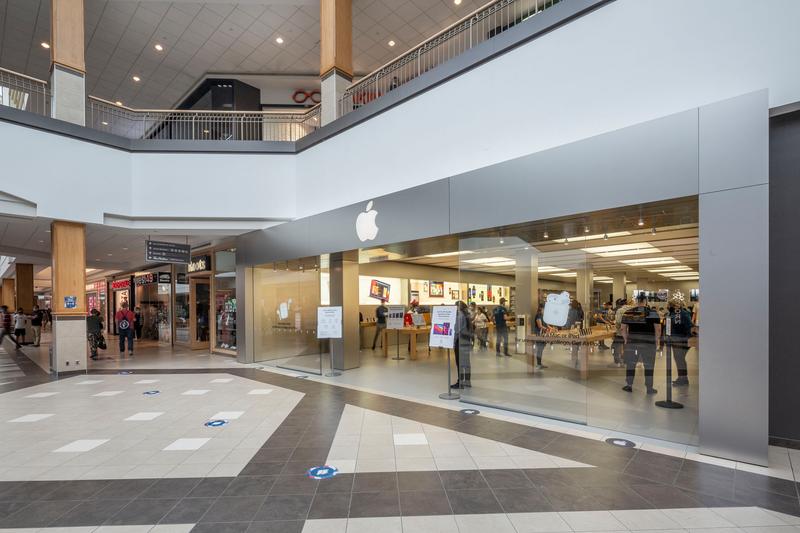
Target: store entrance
[{"x": 199, "y": 312}]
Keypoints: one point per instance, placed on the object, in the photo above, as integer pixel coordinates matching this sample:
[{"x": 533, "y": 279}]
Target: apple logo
[{"x": 366, "y": 229}]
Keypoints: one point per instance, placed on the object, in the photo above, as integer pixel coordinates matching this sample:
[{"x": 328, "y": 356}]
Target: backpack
[{"x": 124, "y": 324}]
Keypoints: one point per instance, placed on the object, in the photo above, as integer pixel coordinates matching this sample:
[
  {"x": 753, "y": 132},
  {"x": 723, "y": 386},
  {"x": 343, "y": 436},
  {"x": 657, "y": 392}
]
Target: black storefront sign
[
  {"x": 167, "y": 252},
  {"x": 199, "y": 263},
  {"x": 164, "y": 277}
]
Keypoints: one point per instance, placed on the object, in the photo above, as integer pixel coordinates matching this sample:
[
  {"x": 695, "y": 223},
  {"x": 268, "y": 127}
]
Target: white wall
[{"x": 626, "y": 63}]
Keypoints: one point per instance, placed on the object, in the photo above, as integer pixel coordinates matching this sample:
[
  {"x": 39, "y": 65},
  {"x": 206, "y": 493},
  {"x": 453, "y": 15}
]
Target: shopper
[
  {"x": 37, "y": 317},
  {"x": 48, "y": 320},
  {"x": 678, "y": 340},
  {"x": 481, "y": 325},
  {"x": 618, "y": 344},
  {"x": 539, "y": 328},
  {"x": 20, "y": 324},
  {"x": 473, "y": 310},
  {"x": 501, "y": 328},
  {"x": 696, "y": 316},
  {"x": 462, "y": 346},
  {"x": 5, "y": 320},
  {"x": 641, "y": 331},
  {"x": 126, "y": 321},
  {"x": 94, "y": 332},
  {"x": 380, "y": 322},
  {"x": 139, "y": 323}
]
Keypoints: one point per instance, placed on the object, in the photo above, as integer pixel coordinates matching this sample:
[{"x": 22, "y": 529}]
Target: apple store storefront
[{"x": 586, "y": 310}]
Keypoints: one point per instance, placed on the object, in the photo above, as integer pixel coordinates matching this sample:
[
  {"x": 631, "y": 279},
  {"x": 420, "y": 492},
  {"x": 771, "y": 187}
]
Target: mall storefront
[{"x": 652, "y": 208}]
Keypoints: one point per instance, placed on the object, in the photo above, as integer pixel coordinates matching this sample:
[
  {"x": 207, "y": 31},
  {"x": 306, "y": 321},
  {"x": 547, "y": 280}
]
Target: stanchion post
[
  {"x": 333, "y": 373},
  {"x": 668, "y": 403},
  {"x": 397, "y": 357}
]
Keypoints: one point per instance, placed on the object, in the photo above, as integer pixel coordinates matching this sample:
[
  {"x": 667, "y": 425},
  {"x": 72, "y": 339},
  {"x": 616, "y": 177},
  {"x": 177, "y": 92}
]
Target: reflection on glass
[
  {"x": 181, "y": 305},
  {"x": 202, "y": 301},
  {"x": 225, "y": 299},
  {"x": 285, "y": 305}
]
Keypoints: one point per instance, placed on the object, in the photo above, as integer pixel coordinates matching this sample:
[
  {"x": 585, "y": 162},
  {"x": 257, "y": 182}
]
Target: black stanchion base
[
  {"x": 669, "y": 404},
  {"x": 449, "y": 396},
  {"x": 333, "y": 374},
  {"x": 398, "y": 358}
]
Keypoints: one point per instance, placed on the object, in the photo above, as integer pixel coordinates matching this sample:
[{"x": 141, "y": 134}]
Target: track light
[
  {"x": 586, "y": 229},
  {"x": 566, "y": 241},
  {"x": 605, "y": 236},
  {"x": 641, "y": 221},
  {"x": 546, "y": 235},
  {"x": 653, "y": 231}
]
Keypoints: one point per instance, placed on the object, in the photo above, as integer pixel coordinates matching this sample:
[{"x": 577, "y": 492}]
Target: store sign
[
  {"x": 200, "y": 263},
  {"x": 120, "y": 284},
  {"x": 164, "y": 277},
  {"x": 70, "y": 302},
  {"x": 443, "y": 325},
  {"x": 329, "y": 322},
  {"x": 167, "y": 252},
  {"x": 394, "y": 316},
  {"x": 145, "y": 279}
]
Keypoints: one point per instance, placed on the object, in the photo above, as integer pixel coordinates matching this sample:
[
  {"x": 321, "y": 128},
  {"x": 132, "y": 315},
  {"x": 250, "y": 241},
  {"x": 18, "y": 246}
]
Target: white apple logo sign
[{"x": 366, "y": 229}]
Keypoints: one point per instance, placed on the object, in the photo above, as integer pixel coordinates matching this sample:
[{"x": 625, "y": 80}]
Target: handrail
[
  {"x": 31, "y": 78},
  {"x": 482, "y": 24},
  {"x": 201, "y": 111}
]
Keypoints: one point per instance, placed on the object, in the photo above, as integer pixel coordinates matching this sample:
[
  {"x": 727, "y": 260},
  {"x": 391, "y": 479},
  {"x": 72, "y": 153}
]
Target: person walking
[
  {"x": 539, "y": 329},
  {"x": 501, "y": 328},
  {"x": 37, "y": 317},
  {"x": 5, "y": 326},
  {"x": 380, "y": 322},
  {"x": 641, "y": 331},
  {"x": 481, "y": 325},
  {"x": 126, "y": 321},
  {"x": 94, "y": 332},
  {"x": 680, "y": 330},
  {"x": 20, "y": 323},
  {"x": 138, "y": 323}
]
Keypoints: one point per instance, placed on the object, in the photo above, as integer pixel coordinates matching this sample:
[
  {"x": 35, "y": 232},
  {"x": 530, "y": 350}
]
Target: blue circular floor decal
[
  {"x": 622, "y": 443},
  {"x": 469, "y": 412},
  {"x": 151, "y": 392},
  {"x": 322, "y": 472},
  {"x": 215, "y": 423}
]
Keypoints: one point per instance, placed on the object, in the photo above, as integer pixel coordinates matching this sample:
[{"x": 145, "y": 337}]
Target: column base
[
  {"x": 69, "y": 344},
  {"x": 333, "y": 85}
]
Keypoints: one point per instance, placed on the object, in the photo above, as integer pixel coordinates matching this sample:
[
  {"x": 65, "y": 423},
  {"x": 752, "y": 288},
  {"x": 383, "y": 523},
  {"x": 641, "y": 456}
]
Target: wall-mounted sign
[
  {"x": 167, "y": 252},
  {"x": 120, "y": 284},
  {"x": 70, "y": 302},
  {"x": 145, "y": 279},
  {"x": 164, "y": 277},
  {"x": 199, "y": 263}
]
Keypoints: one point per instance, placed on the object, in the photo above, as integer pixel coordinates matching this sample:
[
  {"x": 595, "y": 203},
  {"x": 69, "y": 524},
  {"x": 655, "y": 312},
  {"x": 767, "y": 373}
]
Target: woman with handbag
[{"x": 94, "y": 331}]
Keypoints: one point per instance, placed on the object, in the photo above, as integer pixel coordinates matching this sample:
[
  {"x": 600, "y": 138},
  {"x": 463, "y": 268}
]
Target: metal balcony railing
[
  {"x": 473, "y": 29},
  {"x": 191, "y": 125},
  {"x": 23, "y": 92}
]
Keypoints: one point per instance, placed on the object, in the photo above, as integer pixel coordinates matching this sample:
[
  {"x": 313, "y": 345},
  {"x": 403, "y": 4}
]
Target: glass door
[{"x": 200, "y": 307}]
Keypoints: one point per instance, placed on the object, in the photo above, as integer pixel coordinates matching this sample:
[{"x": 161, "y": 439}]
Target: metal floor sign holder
[
  {"x": 396, "y": 357},
  {"x": 449, "y": 395}
]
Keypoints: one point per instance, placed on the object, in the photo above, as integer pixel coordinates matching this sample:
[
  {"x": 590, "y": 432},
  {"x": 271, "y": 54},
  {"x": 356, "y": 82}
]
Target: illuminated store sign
[
  {"x": 120, "y": 284},
  {"x": 200, "y": 263}
]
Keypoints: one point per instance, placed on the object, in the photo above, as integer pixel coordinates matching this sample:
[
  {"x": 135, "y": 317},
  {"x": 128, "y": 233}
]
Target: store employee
[{"x": 380, "y": 324}]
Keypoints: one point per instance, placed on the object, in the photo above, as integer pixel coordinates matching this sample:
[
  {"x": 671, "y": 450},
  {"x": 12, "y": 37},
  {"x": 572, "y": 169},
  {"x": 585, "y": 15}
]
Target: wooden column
[
  {"x": 9, "y": 296},
  {"x": 68, "y": 66},
  {"x": 336, "y": 53},
  {"x": 69, "y": 267},
  {"x": 24, "y": 288}
]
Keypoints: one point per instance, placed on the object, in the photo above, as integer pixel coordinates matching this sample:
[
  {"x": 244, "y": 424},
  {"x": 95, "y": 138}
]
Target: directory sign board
[
  {"x": 329, "y": 322},
  {"x": 443, "y": 325},
  {"x": 167, "y": 252},
  {"x": 394, "y": 316}
]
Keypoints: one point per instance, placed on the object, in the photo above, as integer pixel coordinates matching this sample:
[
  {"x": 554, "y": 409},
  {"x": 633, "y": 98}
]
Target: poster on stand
[
  {"x": 329, "y": 322},
  {"x": 394, "y": 316},
  {"x": 443, "y": 323}
]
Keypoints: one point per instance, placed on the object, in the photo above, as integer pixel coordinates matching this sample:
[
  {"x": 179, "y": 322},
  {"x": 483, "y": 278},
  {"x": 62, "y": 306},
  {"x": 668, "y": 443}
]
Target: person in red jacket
[{"x": 126, "y": 321}]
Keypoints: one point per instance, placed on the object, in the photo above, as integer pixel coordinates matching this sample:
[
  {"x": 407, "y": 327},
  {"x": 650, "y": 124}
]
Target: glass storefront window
[
  {"x": 153, "y": 302},
  {"x": 181, "y": 305},
  {"x": 225, "y": 299}
]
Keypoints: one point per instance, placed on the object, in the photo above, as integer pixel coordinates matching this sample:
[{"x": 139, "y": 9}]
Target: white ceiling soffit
[
  {"x": 15, "y": 206},
  {"x": 219, "y": 36},
  {"x": 191, "y": 226}
]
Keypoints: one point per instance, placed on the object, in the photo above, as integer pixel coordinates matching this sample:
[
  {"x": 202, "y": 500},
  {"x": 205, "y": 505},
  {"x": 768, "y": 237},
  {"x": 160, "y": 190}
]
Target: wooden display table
[
  {"x": 412, "y": 332},
  {"x": 583, "y": 342}
]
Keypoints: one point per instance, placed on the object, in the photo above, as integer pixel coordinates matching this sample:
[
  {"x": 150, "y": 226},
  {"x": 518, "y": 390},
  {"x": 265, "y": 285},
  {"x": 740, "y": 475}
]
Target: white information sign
[
  {"x": 394, "y": 316},
  {"x": 329, "y": 322},
  {"x": 443, "y": 325}
]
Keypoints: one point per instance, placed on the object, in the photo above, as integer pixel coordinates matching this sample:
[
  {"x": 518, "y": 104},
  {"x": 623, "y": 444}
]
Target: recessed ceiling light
[
  {"x": 109, "y": 255},
  {"x": 596, "y": 237},
  {"x": 40, "y": 242},
  {"x": 158, "y": 47},
  {"x": 670, "y": 269},
  {"x": 391, "y": 43},
  {"x": 279, "y": 40},
  {"x": 492, "y": 261},
  {"x": 104, "y": 123},
  {"x": 118, "y": 102},
  {"x": 547, "y": 269},
  {"x": 124, "y": 248},
  {"x": 448, "y": 254},
  {"x": 457, "y": 2},
  {"x": 651, "y": 261},
  {"x": 205, "y": 131},
  {"x": 567, "y": 275},
  {"x": 46, "y": 46},
  {"x": 616, "y": 250},
  {"x": 137, "y": 79}
]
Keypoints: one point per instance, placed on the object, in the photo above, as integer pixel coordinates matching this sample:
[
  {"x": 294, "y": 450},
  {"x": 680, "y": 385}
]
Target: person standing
[
  {"x": 94, "y": 332},
  {"x": 138, "y": 323},
  {"x": 126, "y": 321},
  {"x": 20, "y": 322},
  {"x": 380, "y": 322},
  {"x": 37, "y": 317},
  {"x": 680, "y": 331},
  {"x": 539, "y": 329},
  {"x": 481, "y": 325},
  {"x": 641, "y": 330},
  {"x": 462, "y": 345},
  {"x": 5, "y": 325},
  {"x": 618, "y": 344},
  {"x": 501, "y": 328}
]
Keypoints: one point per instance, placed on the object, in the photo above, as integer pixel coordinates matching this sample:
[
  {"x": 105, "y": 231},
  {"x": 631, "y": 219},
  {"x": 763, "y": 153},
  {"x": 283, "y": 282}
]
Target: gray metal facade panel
[{"x": 647, "y": 162}]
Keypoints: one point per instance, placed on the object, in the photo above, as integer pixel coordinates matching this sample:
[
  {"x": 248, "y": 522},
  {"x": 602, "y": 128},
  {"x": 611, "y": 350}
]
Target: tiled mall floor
[{"x": 94, "y": 453}]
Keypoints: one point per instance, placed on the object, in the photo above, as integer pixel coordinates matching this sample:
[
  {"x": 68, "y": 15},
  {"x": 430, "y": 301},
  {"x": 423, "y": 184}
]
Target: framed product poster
[
  {"x": 379, "y": 290},
  {"x": 436, "y": 289},
  {"x": 443, "y": 320},
  {"x": 455, "y": 294}
]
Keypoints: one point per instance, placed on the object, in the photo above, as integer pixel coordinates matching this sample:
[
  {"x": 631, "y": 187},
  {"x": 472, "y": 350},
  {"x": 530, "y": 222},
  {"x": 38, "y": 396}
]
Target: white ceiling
[{"x": 223, "y": 36}]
